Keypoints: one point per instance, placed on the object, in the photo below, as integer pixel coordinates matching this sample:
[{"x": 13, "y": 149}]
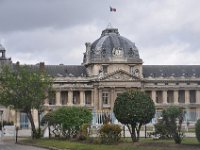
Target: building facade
[{"x": 112, "y": 65}]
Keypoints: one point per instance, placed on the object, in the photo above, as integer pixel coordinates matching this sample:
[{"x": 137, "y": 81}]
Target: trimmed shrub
[
  {"x": 110, "y": 133},
  {"x": 134, "y": 109},
  {"x": 197, "y": 130}
]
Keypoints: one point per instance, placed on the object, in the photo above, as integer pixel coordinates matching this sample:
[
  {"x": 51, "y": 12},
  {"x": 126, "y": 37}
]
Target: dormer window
[
  {"x": 132, "y": 69},
  {"x": 105, "y": 68}
]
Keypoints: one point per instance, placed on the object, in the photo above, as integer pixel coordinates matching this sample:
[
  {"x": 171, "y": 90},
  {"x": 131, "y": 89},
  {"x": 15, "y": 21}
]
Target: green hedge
[{"x": 197, "y": 130}]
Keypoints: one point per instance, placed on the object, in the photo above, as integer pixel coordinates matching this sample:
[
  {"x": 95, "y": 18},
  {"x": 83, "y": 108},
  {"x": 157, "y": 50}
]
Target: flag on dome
[{"x": 112, "y": 9}]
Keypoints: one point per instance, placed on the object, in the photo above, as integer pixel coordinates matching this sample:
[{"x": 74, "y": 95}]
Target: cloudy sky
[{"x": 55, "y": 31}]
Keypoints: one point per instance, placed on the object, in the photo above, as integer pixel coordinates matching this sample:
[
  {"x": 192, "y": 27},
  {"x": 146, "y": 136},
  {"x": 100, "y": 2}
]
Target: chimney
[{"x": 42, "y": 66}]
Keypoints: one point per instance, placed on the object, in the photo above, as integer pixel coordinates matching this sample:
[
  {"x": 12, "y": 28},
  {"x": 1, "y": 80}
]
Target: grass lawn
[{"x": 126, "y": 144}]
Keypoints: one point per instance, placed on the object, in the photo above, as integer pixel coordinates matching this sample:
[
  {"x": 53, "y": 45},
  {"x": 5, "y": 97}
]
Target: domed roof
[{"x": 111, "y": 48}]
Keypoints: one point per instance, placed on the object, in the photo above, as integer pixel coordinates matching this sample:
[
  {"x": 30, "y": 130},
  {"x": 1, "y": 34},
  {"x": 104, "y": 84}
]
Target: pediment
[{"x": 119, "y": 75}]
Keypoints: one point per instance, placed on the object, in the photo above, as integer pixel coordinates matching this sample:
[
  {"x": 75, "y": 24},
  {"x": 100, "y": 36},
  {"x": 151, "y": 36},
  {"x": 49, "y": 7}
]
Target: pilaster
[
  {"x": 46, "y": 101},
  {"x": 198, "y": 97},
  {"x": 112, "y": 97},
  {"x": 187, "y": 97},
  {"x": 35, "y": 117},
  {"x": 58, "y": 99},
  {"x": 164, "y": 97},
  {"x": 153, "y": 96},
  {"x": 82, "y": 98},
  {"x": 92, "y": 98},
  {"x": 175, "y": 97},
  {"x": 100, "y": 99},
  {"x": 70, "y": 98},
  {"x": 96, "y": 98}
]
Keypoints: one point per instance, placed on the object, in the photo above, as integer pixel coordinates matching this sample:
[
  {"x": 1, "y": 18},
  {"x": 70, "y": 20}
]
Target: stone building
[{"x": 112, "y": 65}]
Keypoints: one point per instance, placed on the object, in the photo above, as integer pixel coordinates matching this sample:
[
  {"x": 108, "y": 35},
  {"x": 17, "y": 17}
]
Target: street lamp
[{"x": 1, "y": 114}]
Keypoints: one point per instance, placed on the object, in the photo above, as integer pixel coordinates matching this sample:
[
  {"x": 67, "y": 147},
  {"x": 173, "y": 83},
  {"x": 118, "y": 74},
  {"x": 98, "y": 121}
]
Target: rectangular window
[
  {"x": 159, "y": 97},
  {"x": 105, "y": 99},
  {"x": 88, "y": 97},
  {"x": 24, "y": 122},
  {"x": 192, "y": 115},
  {"x": 76, "y": 97},
  {"x": 181, "y": 96},
  {"x": 52, "y": 98},
  {"x": 170, "y": 96},
  {"x": 64, "y": 97},
  {"x": 192, "y": 96}
]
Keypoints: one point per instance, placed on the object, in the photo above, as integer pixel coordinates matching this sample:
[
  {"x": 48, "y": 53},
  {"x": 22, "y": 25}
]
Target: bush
[
  {"x": 84, "y": 132},
  {"x": 110, "y": 133},
  {"x": 67, "y": 121},
  {"x": 197, "y": 130},
  {"x": 162, "y": 130},
  {"x": 170, "y": 125}
]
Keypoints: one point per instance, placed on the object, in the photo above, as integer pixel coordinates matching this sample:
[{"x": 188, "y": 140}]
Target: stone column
[
  {"x": 46, "y": 101},
  {"x": 82, "y": 98},
  {"x": 187, "y": 97},
  {"x": 197, "y": 97},
  {"x": 35, "y": 117},
  {"x": 95, "y": 98},
  {"x": 58, "y": 99},
  {"x": 100, "y": 99},
  {"x": 153, "y": 96},
  {"x": 92, "y": 98},
  {"x": 164, "y": 97},
  {"x": 70, "y": 98},
  {"x": 112, "y": 97},
  {"x": 175, "y": 96}
]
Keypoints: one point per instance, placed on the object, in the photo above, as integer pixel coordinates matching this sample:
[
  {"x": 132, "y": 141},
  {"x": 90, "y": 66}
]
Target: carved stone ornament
[
  {"x": 136, "y": 73},
  {"x": 98, "y": 51},
  {"x": 133, "y": 52},
  {"x": 117, "y": 51},
  {"x": 103, "y": 53},
  {"x": 119, "y": 76}
]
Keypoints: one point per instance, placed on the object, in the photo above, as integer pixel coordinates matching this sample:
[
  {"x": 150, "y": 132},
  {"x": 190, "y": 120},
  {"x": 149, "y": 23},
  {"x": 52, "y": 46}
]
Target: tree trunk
[
  {"x": 34, "y": 132},
  {"x": 132, "y": 132},
  {"x": 138, "y": 131}
]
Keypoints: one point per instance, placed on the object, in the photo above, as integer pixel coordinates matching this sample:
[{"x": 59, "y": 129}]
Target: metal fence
[{"x": 99, "y": 117}]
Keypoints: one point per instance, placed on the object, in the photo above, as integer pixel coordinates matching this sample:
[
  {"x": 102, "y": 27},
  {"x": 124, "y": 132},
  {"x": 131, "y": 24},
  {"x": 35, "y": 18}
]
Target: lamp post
[{"x": 1, "y": 113}]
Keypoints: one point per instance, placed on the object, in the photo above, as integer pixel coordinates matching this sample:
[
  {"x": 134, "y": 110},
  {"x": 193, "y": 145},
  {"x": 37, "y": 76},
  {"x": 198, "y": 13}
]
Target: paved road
[{"x": 12, "y": 146}]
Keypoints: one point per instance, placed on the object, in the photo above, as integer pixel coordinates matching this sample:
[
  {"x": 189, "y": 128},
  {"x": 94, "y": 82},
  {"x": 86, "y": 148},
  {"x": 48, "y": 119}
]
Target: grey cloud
[
  {"x": 55, "y": 31},
  {"x": 31, "y": 14}
]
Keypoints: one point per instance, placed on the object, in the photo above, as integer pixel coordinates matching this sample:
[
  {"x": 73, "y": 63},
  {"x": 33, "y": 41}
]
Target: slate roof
[
  {"x": 171, "y": 71},
  {"x": 62, "y": 70},
  {"x": 153, "y": 71},
  {"x": 66, "y": 70}
]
